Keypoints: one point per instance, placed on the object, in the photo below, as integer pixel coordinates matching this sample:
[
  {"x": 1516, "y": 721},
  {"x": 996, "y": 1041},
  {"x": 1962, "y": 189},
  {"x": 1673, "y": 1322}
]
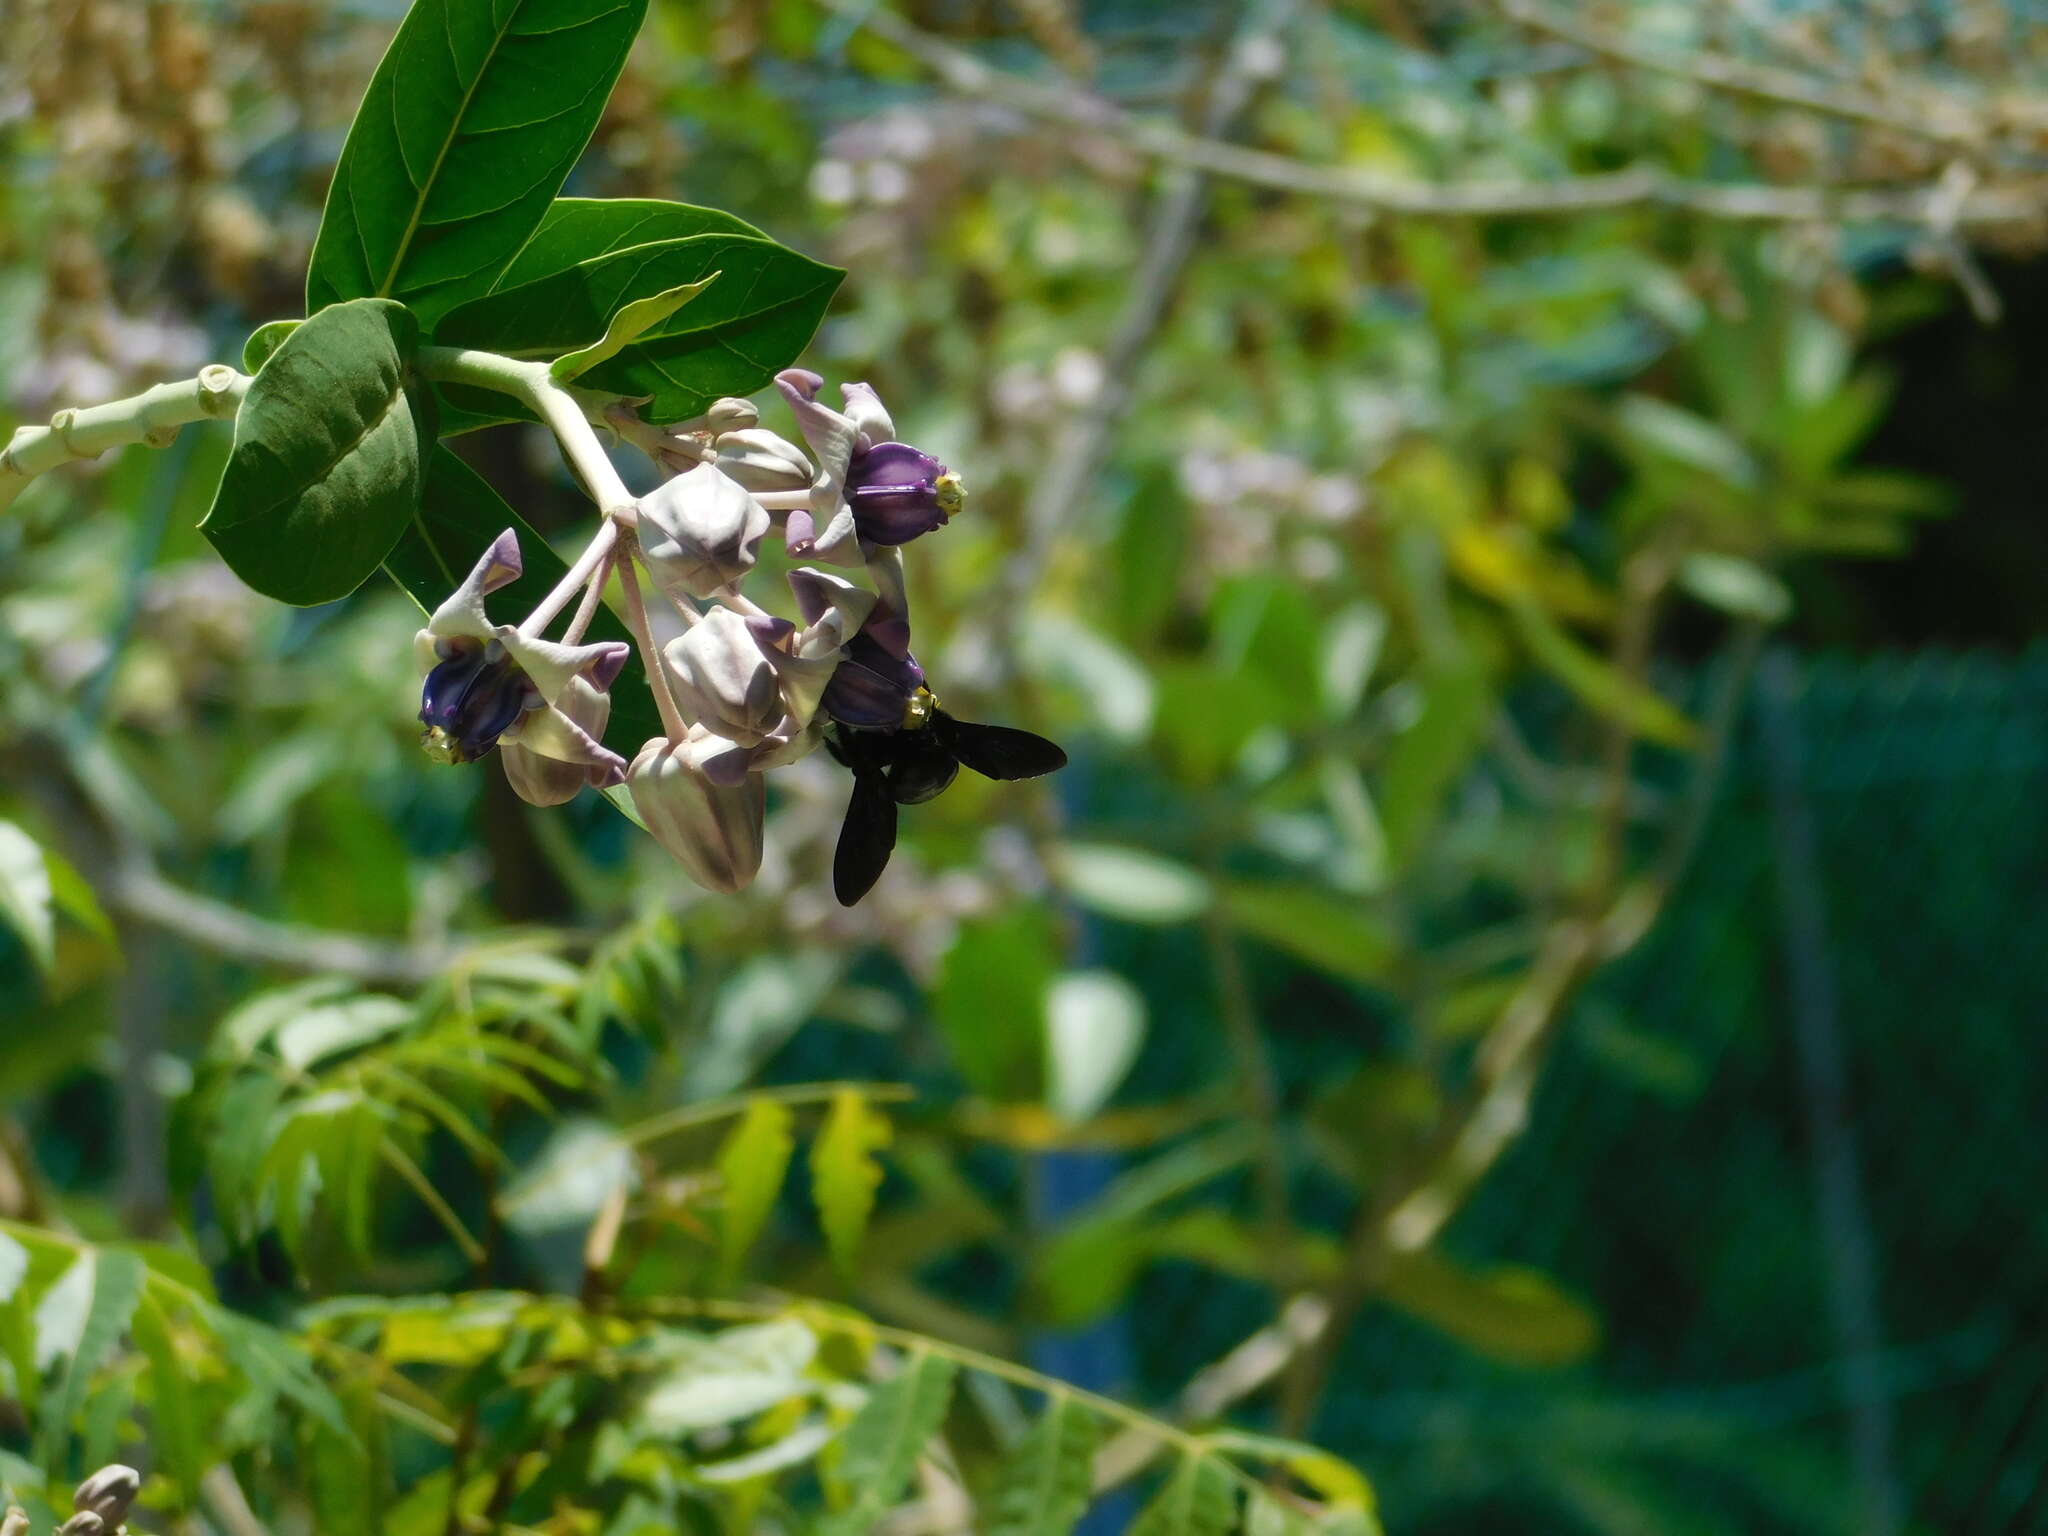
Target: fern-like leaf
[
  {"x": 1199, "y": 1499},
  {"x": 1045, "y": 1486},
  {"x": 845, "y": 1173},
  {"x": 752, "y": 1162},
  {"x": 881, "y": 1444}
]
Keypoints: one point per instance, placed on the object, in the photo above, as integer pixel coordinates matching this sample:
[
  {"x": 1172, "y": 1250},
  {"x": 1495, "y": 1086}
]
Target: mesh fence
[{"x": 1791, "y": 1151}]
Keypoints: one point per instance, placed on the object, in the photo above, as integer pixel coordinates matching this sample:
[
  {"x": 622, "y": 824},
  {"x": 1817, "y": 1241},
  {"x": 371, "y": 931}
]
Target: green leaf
[
  {"x": 1130, "y": 884},
  {"x": 13, "y": 1267},
  {"x": 1426, "y": 761},
  {"x": 729, "y": 1376},
  {"x": 989, "y": 1001},
  {"x": 79, "y": 1321},
  {"x": 1599, "y": 684},
  {"x": 845, "y": 1173},
  {"x": 176, "y": 1424},
  {"x": 1094, "y": 1025},
  {"x": 1045, "y": 1486},
  {"x": 1735, "y": 585},
  {"x": 1507, "y": 1312},
  {"x": 1199, "y": 1499},
  {"x": 751, "y": 324},
  {"x": 1329, "y": 930},
  {"x": 325, "y": 472},
  {"x": 752, "y": 1162},
  {"x": 628, "y": 324},
  {"x": 469, "y": 127},
  {"x": 264, "y": 341},
  {"x": 273, "y": 1367},
  {"x": 457, "y": 518},
  {"x": 25, "y": 893},
  {"x": 881, "y": 1444},
  {"x": 579, "y": 229}
]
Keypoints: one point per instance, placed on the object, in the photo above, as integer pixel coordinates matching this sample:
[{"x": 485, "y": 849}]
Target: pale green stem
[
  {"x": 152, "y": 417},
  {"x": 636, "y": 620},
  {"x": 589, "y": 571},
  {"x": 563, "y": 412}
]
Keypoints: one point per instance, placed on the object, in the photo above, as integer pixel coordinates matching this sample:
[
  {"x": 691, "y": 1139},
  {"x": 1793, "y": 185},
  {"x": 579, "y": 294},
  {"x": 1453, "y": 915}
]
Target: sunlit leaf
[
  {"x": 1094, "y": 1026},
  {"x": 25, "y": 894},
  {"x": 627, "y": 325},
  {"x": 752, "y": 1163},
  {"x": 845, "y": 1173}
]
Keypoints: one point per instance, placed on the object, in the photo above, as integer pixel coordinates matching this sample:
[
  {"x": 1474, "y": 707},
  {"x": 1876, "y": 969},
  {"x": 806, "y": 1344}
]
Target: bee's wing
[
  {"x": 866, "y": 839},
  {"x": 999, "y": 752}
]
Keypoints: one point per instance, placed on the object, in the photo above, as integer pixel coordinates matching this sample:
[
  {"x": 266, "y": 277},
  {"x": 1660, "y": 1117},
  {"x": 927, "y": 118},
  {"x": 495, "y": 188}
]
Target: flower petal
[
  {"x": 870, "y": 417},
  {"x": 463, "y": 612}
]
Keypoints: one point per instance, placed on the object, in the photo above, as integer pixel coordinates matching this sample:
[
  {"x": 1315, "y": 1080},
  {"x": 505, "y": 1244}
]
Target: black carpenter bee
[{"x": 910, "y": 765}]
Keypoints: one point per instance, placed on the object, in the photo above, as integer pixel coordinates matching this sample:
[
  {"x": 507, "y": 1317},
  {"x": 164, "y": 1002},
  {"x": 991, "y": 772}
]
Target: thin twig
[
  {"x": 1636, "y": 187},
  {"x": 138, "y": 891},
  {"x": 1925, "y": 114}
]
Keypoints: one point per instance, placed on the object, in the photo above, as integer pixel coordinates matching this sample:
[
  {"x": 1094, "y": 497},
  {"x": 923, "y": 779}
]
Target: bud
[
  {"x": 14, "y": 1522},
  {"x": 108, "y": 1493},
  {"x": 722, "y": 676},
  {"x": 84, "y": 1523},
  {"x": 539, "y": 779},
  {"x": 714, "y": 831},
  {"x": 762, "y": 461},
  {"x": 700, "y": 531}
]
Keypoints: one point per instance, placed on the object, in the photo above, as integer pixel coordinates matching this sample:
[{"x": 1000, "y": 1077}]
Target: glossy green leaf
[
  {"x": 752, "y": 1162},
  {"x": 326, "y": 469},
  {"x": 459, "y": 514},
  {"x": 628, "y": 324},
  {"x": 25, "y": 893},
  {"x": 845, "y": 1173},
  {"x": 1198, "y": 1499},
  {"x": 468, "y": 129},
  {"x": 880, "y": 1446},
  {"x": 1045, "y": 1484},
  {"x": 579, "y": 229},
  {"x": 753, "y": 322}
]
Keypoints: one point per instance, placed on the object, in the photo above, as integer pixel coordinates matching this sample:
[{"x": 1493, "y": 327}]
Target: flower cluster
[{"x": 740, "y": 690}]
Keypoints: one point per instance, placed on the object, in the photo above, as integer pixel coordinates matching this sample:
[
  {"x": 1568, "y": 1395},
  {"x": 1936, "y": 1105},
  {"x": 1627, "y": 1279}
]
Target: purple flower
[
  {"x": 872, "y": 687},
  {"x": 488, "y": 684},
  {"x": 870, "y": 489},
  {"x": 899, "y": 492}
]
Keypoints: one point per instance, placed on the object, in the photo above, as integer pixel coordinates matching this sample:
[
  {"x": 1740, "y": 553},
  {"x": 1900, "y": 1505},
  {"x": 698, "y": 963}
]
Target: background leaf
[
  {"x": 1198, "y": 1499},
  {"x": 25, "y": 893},
  {"x": 845, "y": 1173},
  {"x": 880, "y": 1446},
  {"x": 1046, "y": 1483},
  {"x": 752, "y": 1162}
]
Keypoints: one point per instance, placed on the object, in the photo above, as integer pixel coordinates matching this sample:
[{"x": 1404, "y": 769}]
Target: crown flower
[{"x": 740, "y": 690}]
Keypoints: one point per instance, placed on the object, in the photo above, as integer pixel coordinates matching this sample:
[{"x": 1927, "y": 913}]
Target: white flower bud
[
  {"x": 723, "y": 677},
  {"x": 108, "y": 1493},
  {"x": 700, "y": 531},
  {"x": 713, "y": 831}
]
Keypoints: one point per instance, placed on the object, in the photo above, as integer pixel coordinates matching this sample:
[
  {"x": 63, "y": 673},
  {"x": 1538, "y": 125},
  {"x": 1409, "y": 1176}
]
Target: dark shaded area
[{"x": 1971, "y": 410}]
